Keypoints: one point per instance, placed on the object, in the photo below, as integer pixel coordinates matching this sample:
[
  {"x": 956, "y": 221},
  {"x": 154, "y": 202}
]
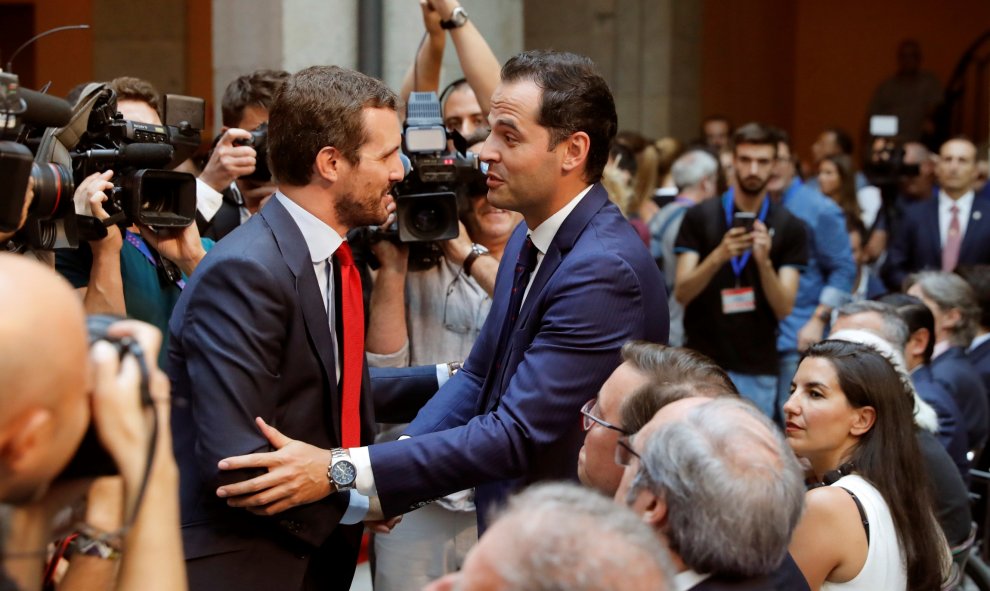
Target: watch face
[{"x": 343, "y": 473}]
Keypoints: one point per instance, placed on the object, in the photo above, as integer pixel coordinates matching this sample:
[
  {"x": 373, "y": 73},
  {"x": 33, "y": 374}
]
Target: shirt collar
[
  {"x": 320, "y": 238},
  {"x": 964, "y": 202},
  {"x": 687, "y": 579},
  {"x": 543, "y": 234},
  {"x": 940, "y": 348},
  {"x": 979, "y": 341}
]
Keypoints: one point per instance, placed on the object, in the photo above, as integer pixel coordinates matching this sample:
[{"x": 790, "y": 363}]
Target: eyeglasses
[
  {"x": 624, "y": 453},
  {"x": 590, "y": 419}
]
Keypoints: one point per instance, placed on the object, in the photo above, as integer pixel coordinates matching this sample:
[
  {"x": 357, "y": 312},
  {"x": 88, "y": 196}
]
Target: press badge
[{"x": 738, "y": 300}]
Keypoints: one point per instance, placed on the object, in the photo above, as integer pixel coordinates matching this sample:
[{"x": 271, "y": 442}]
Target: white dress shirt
[
  {"x": 208, "y": 201},
  {"x": 687, "y": 579},
  {"x": 945, "y": 203},
  {"x": 978, "y": 341},
  {"x": 543, "y": 235},
  {"x": 322, "y": 241}
]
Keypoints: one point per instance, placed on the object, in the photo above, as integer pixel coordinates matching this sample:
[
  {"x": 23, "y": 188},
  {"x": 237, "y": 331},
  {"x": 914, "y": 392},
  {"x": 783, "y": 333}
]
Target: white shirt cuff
[
  {"x": 208, "y": 201},
  {"x": 443, "y": 374},
  {"x": 357, "y": 509},
  {"x": 365, "y": 481}
]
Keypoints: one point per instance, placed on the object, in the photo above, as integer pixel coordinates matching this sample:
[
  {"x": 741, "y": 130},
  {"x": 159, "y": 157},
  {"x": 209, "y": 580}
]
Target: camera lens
[
  {"x": 53, "y": 189},
  {"x": 427, "y": 219}
]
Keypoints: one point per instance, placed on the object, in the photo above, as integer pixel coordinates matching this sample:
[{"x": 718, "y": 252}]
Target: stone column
[
  {"x": 285, "y": 34},
  {"x": 647, "y": 50}
]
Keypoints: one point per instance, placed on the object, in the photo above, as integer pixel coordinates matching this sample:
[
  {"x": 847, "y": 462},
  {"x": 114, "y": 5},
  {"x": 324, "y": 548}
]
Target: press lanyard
[
  {"x": 139, "y": 244},
  {"x": 729, "y": 205}
]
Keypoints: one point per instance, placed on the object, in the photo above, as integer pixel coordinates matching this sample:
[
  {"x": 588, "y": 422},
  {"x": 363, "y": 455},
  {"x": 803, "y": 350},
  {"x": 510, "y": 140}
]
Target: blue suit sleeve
[{"x": 582, "y": 325}]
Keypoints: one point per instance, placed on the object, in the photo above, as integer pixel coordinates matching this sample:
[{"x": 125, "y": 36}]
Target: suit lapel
[
  {"x": 975, "y": 229},
  {"x": 562, "y": 243},
  {"x": 293, "y": 248}
]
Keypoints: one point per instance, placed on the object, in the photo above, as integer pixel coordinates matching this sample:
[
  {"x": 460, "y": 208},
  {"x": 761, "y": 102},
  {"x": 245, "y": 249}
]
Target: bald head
[{"x": 43, "y": 358}]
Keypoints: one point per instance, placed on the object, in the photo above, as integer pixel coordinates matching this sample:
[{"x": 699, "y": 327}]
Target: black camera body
[
  {"x": 429, "y": 199},
  {"x": 91, "y": 458},
  {"x": 258, "y": 141},
  {"x": 64, "y": 153}
]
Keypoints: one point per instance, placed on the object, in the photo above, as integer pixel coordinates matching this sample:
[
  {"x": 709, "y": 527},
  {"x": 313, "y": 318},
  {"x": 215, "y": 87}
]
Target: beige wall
[{"x": 647, "y": 50}]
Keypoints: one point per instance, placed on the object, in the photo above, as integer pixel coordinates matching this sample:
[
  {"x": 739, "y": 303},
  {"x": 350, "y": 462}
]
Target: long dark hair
[
  {"x": 889, "y": 457},
  {"x": 846, "y": 195}
]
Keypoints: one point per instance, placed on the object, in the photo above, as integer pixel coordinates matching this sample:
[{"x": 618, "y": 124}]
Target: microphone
[
  {"x": 44, "y": 110},
  {"x": 132, "y": 155},
  {"x": 406, "y": 164}
]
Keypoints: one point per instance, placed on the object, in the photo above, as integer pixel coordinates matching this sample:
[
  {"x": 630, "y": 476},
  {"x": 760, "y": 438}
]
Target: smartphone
[{"x": 744, "y": 219}]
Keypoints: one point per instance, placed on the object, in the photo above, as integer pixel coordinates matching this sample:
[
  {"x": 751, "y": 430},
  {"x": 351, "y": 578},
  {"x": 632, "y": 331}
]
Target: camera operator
[
  {"x": 466, "y": 103},
  {"x": 418, "y": 318},
  {"x": 233, "y": 169},
  {"x": 48, "y": 402},
  {"x": 141, "y": 273},
  {"x": 915, "y": 183}
]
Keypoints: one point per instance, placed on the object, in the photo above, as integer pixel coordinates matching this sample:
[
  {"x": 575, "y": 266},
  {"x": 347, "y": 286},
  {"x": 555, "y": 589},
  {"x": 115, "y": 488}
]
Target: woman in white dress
[{"x": 868, "y": 522}]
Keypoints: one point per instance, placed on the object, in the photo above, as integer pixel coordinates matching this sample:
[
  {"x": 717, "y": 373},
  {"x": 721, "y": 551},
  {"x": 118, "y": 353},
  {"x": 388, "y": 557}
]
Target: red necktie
[
  {"x": 953, "y": 242},
  {"x": 353, "y": 363}
]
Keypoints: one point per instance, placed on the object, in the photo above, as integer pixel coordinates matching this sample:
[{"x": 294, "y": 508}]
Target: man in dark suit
[
  {"x": 575, "y": 284},
  {"x": 725, "y": 452},
  {"x": 953, "y": 305},
  {"x": 270, "y": 329},
  {"x": 949, "y": 230}
]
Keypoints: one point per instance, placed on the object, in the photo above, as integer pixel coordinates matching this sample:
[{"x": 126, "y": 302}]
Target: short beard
[
  {"x": 353, "y": 214},
  {"x": 753, "y": 193}
]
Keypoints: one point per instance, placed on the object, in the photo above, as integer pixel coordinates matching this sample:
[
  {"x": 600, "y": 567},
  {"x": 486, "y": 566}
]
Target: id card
[{"x": 738, "y": 300}]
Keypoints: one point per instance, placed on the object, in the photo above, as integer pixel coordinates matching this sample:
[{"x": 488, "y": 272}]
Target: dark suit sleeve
[
  {"x": 900, "y": 251},
  {"x": 399, "y": 393},
  {"x": 233, "y": 333},
  {"x": 586, "y": 317}
]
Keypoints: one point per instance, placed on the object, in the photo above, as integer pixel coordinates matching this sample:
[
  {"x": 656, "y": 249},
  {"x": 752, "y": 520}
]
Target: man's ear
[
  {"x": 918, "y": 342},
  {"x": 865, "y": 417},
  {"x": 328, "y": 163},
  {"x": 576, "y": 148},
  {"x": 951, "y": 318},
  {"x": 25, "y": 438},
  {"x": 655, "y": 514}
]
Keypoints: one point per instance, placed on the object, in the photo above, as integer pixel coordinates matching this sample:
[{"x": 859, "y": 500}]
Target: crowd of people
[{"x": 741, "y": 371}]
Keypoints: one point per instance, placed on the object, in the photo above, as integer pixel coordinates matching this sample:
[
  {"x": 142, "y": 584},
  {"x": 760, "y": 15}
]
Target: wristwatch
[
  {"x": 458, "y": 18},
  {"x": 83, "y": 544},
  {"x": 341, "y": 472},
  {"x": 477, "y": 250}
]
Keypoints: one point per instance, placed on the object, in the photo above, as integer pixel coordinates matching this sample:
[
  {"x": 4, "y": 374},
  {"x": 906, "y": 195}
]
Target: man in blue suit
[
  {"x": 953, "y": 229},
  {"x": 575, "y": 283}
]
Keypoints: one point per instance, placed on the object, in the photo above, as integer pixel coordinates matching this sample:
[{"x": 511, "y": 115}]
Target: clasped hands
[{"x": 296, "y": 475}]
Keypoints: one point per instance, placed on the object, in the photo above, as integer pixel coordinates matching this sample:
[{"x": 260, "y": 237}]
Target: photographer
[
  {"x": 467, "y": 103},
  {"x": 418, "y": 318},
  {"x": 143, "y": 269},
  {"x": 47, "y": 404},
  {"x": 237, "y": 169}
]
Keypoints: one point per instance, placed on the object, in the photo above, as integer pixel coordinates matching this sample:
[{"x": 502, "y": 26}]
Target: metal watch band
[
  {"x": 458, "y": 18},
  {"x": 84, "y": 545}
]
